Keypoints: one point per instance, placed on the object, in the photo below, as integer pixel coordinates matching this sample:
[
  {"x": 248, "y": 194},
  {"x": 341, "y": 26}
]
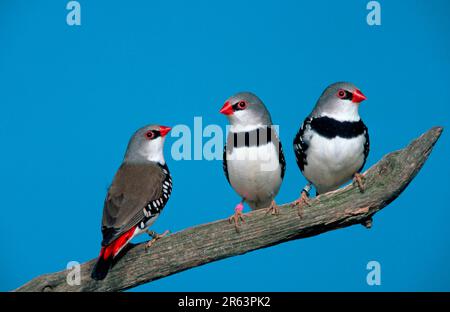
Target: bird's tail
[
  {"x": 108, "y": 252},
  {"x": 102, "y": 266}
]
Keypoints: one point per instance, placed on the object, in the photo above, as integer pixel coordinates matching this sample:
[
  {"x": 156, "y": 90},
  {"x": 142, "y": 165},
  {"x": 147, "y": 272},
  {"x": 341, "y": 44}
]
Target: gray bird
[
  {"x": 253, "y": 159},
  {"x": 136, "y": 197},
  {"x": 332, "y": 144}
]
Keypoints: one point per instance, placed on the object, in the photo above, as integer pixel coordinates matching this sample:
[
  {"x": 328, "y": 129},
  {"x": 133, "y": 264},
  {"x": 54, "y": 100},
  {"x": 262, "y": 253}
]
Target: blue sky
[{"x": 70, "y": 98}]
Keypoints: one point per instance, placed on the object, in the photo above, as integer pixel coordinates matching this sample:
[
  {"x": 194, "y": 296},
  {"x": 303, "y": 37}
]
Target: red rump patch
[{"x": 113, "y": 248}]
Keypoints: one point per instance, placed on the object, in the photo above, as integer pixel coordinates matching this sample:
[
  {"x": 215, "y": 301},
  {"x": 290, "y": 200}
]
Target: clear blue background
[{"x": 70, "y": 97}]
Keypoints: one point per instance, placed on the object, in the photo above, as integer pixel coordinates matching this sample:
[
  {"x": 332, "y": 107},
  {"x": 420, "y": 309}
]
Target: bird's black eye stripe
[
  {"x": 348, "y": 95},
  {"x": 344, "y": 95},
  {"x": 239, "y": 106},
  {"x": 152, "y": 134}
]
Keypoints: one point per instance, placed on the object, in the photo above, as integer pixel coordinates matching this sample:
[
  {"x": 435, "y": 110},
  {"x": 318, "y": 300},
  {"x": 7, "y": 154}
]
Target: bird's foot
[
  {"x": 274, "y": 209},
  {"x": 359, "y": 180},
  {"x": 237, "y": 217},
  {"x": 301, "y": 202},
  {"x": 155, "y": 236}
]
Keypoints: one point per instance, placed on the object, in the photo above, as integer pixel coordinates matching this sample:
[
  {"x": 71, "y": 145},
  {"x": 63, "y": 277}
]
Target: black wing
[
  {"x": 366, "y": 147},
  {"x": 224, "y": 163},
  {"x": 272, "y": 136},
  {"x": 300, "y": 145},
  {"x": 282, "y": 161}
]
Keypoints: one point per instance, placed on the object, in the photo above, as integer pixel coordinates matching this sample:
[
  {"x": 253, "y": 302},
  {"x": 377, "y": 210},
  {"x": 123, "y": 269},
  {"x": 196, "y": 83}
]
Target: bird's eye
[
  {"x": 149, "y": 135},
  {"x": 242, "y": 105},
  {"x": 341, "y": 94}
]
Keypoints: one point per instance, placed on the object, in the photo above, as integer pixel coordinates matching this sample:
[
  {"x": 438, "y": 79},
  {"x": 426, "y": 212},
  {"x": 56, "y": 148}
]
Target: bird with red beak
[
  {"x": 253, "y": 159},
  {"x": 332, "y": 144},
  {"x": 137, "y": 195}
]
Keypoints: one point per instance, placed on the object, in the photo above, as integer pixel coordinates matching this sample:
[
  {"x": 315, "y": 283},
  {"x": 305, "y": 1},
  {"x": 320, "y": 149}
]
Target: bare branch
[{"x": 217, "y": 240}]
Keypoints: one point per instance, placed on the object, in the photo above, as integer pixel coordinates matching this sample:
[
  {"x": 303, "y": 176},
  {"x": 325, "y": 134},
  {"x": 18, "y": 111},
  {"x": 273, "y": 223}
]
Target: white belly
[
  {"x": 255, "y": 173},
  {"x": 332, "y": 162}
]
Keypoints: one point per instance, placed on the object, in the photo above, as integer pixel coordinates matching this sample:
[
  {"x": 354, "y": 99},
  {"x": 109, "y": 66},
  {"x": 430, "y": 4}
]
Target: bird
[
  {"x": 332, "y": 144},
  {"x": 138, "y": 193},
  {"x": 253, "y": 159}
]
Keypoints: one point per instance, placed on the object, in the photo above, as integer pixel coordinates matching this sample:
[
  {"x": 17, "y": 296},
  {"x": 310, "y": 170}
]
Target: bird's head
[
  {"x": 245, "y": 110},
  {"x": 147, "y": 144},
  {"x": 340, "y": 101}
]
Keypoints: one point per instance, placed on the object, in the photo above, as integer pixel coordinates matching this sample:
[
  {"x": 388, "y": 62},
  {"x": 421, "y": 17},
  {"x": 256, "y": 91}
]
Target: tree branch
[{"x": 217, "y": 240}]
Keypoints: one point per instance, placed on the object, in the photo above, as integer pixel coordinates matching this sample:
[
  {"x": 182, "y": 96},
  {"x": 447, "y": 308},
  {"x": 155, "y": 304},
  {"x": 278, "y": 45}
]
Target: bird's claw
[
  {"x": 237, "y": 217},
  {"x": 302, "y": 201},
  {"x": 359, "y": 180},
  {"x": 274, "y": 209},
  {"x": 155, "y": 236}
]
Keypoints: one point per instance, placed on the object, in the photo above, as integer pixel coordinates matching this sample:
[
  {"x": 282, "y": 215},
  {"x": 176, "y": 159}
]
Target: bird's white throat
[
  {"x": 344, "y": 113},
  {"x": 153, "y": 151}
]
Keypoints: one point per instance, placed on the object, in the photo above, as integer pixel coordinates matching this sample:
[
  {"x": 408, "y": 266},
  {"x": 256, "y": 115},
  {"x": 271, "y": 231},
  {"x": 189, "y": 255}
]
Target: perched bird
[
  {"x": 136, "y": 197},
  {"x": 253, "y": 159},
  {"x": 332, "y": 144}
]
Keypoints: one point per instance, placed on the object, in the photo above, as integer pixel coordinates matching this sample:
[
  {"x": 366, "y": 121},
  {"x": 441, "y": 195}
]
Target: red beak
[
  {"x": 358, "y": 97},
  {"x": 227, "y": 109},
  {"x": 164, "y": 130}
]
